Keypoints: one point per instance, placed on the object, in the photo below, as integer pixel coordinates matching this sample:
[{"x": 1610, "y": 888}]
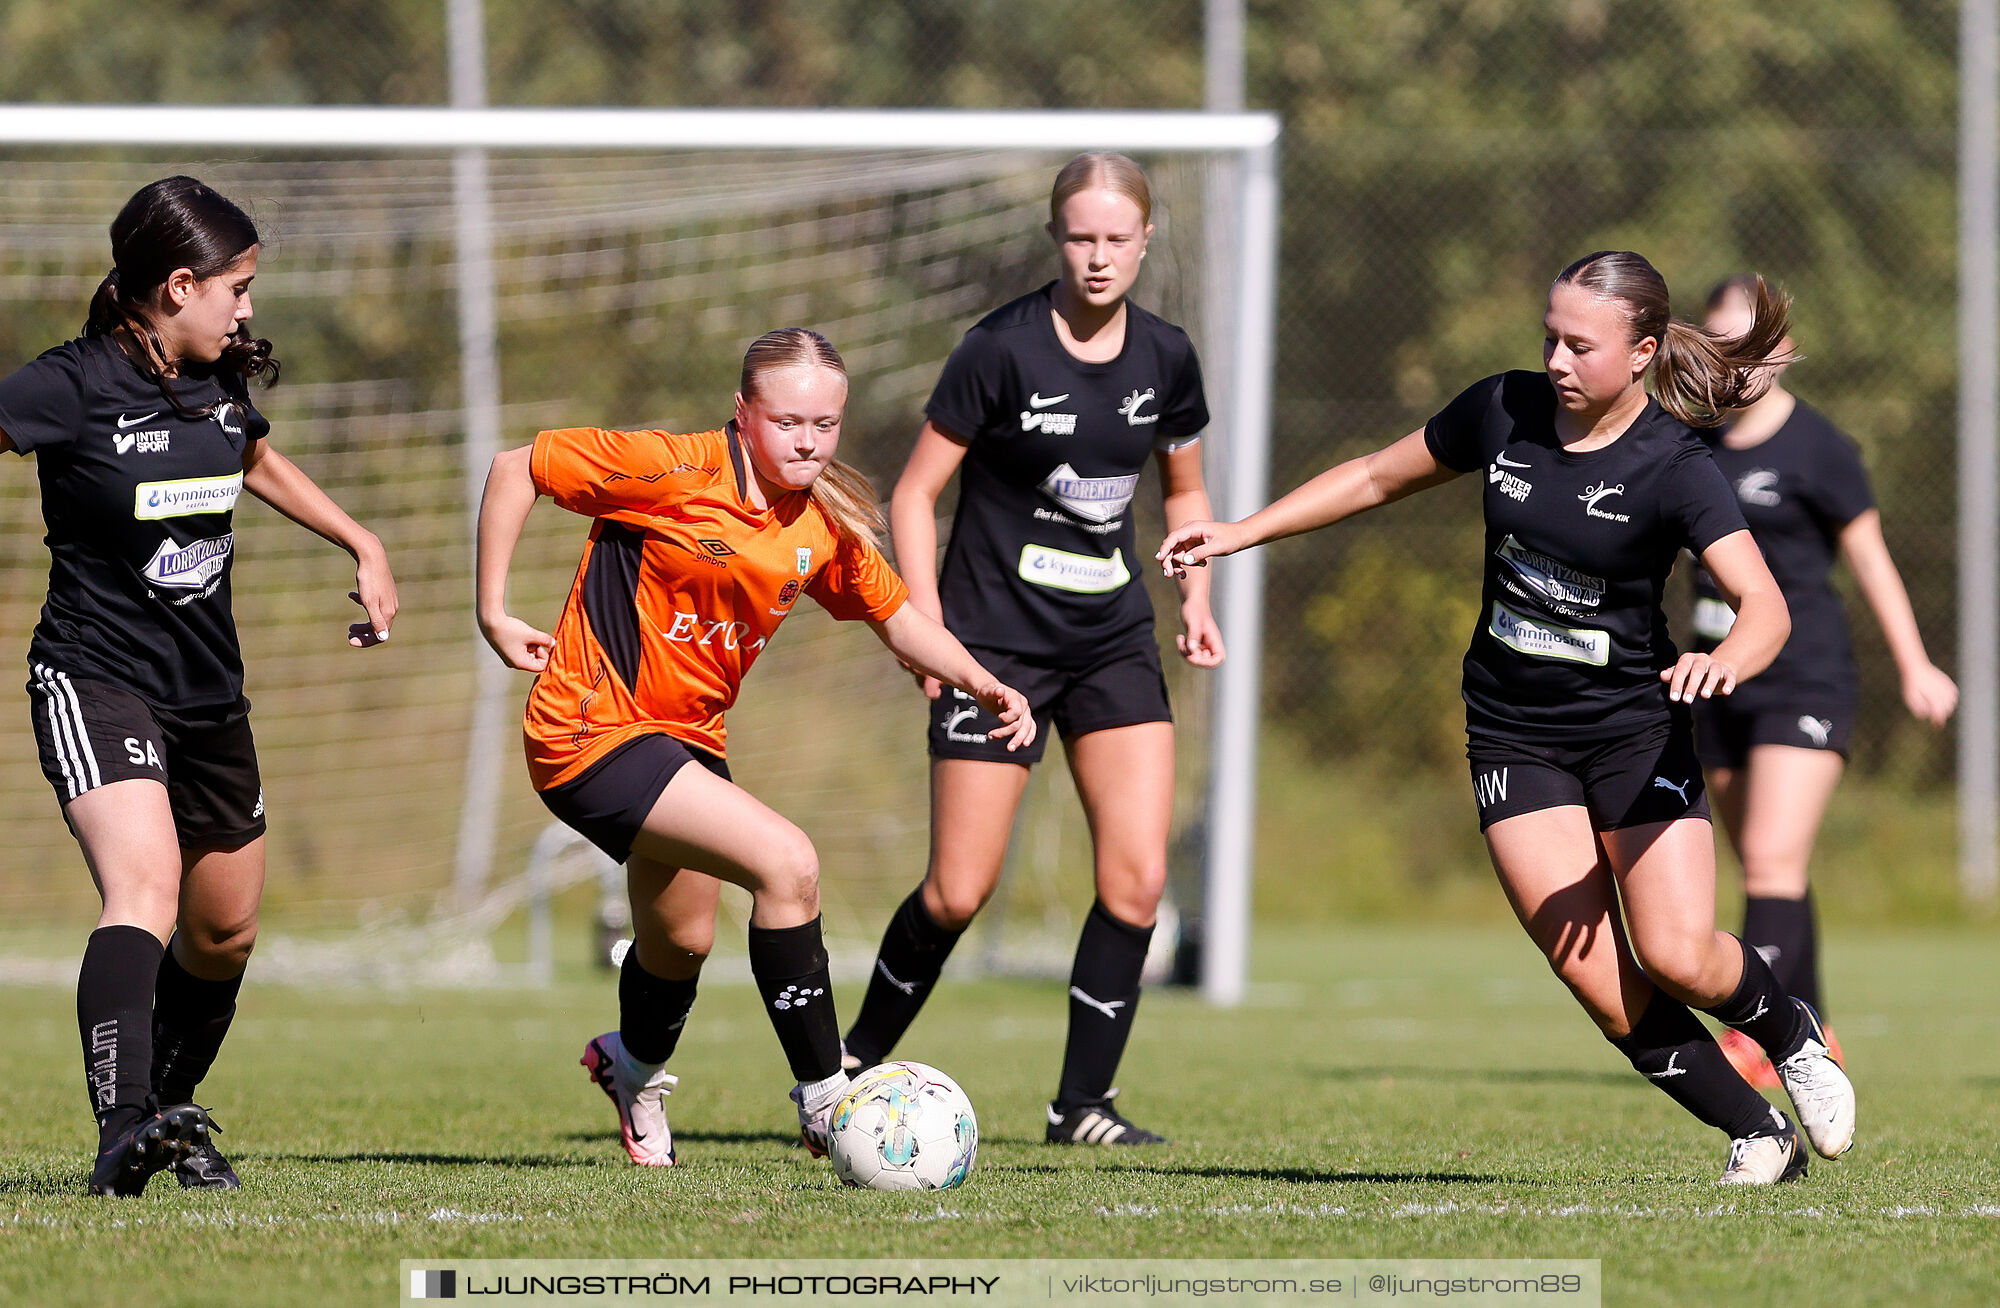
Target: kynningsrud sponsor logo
[
  {"x": 1546, "y": 640},
  {"x": 1713, "y": 619},
  {"x": 1514, "y": 488},
  {"x": 1094, "y": 499},
  {"x": 191, "y": 566},
  {"x": 1547, "y": 577},
  {"x": 1133, "y": 403},
  {"x": 153, "y": 500},
  {"x": 1080, "y": 574},
  {"x": 1759, "y": 486},
  {"x": 1603, "y": 491}
]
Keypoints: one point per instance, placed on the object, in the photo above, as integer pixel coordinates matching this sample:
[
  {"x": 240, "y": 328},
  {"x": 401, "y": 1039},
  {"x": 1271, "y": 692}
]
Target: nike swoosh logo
[
  {"x": 124, "y": 422},
  {"x": 1036, "y": 401},
  {"x": 1506, "y": 462}
]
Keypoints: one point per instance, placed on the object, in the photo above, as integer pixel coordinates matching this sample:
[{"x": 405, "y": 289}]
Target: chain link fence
[{"x": 1443, "y": 159}]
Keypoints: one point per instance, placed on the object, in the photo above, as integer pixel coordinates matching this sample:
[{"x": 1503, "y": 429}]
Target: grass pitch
[{"x": 1388, "y": 1093}]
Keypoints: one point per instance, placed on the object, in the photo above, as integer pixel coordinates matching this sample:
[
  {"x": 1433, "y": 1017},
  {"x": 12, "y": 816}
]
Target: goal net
[{"x": 627, "y": 288}]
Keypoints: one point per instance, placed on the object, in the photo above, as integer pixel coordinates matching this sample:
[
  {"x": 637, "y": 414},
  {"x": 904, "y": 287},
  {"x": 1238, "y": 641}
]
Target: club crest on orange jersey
[
  {"x": 805, "y": 561},
  {"x": 789, "y": 593}
]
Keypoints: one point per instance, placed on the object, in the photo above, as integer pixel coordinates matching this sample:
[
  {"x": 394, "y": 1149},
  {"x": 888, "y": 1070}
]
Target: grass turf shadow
[
  {"x": 1492, "y": 1075},
  {"x": 418, "y": 1159}
]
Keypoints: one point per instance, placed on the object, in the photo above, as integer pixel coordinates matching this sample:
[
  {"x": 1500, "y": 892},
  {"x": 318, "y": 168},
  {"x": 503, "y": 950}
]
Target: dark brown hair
[
  {"x": 176, "y": 222},
  {"x": 1698, "y": 377},
  {"x": 841, "y": 491}
]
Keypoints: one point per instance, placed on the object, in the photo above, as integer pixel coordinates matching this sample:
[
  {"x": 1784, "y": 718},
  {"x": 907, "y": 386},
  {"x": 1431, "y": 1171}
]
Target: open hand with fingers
[
  {"x": 1697, "y": 676},
  {"x": 1017, "y": 721}
]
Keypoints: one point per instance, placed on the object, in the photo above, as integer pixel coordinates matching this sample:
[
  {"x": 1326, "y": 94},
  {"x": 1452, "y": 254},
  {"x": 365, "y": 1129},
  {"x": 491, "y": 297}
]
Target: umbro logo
[{"x": 720, "y": 549}]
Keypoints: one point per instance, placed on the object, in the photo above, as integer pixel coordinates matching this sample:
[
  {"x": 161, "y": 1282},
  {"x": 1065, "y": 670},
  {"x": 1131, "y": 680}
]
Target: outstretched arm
[
  {"x": 913, "y": 521},
  {"x": 1340, "y": 492},
  {"x": 923, "y": 643},
  {"x": 1763, "y": 623},
  {"x": 1186, "y": 501},
  {"x": 283, "y": 485},
  {"x": 503, "y": 511},
  {"x": 1927, "y": 691}
]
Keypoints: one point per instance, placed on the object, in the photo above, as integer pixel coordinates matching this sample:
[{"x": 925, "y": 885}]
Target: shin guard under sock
[
  {"x": 1103, "y": 995},
  {"x": 913, "y": 954},
  {"x": 114, "y": 1015},
  {"x": 1671, "y": 1048},
  {"x": 790, "y": 966},
  {"x": 1762, "y": 1010},
  {"x": 652, "y": 1010},
  {"x": 1785, "y": 934},
  {"x": 191, "y": 1016}
]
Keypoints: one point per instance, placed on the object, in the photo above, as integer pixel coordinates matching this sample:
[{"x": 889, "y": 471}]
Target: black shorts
[
  {"x": 1649, "y": 776},
  {"x": 1120, "y": 690},
  {"x": 608, "y": 802},
  {"x": 92, "y": 733},
  {"x": 1725, "y": 732}
]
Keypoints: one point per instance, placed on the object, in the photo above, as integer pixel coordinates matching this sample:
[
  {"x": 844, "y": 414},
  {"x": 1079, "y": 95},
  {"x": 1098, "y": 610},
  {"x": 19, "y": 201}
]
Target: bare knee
[
  {"x": 1683, "y": 965},
  {"x": 1132, "y": 894},
  {"x": 1772, "y": 869},
  {"x": 953, "y": 904},
  {"x": 793, "y": 872},
  {"x": 218, "y": 950}
]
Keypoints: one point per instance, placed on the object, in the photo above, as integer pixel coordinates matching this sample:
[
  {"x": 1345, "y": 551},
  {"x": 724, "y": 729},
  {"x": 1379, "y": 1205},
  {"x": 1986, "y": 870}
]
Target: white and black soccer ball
[{"x": 904, "y": 1126}]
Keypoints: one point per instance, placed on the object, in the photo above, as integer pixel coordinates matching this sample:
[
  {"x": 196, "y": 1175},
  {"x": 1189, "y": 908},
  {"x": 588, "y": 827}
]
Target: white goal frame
[{"x": 1244, "y": 269}]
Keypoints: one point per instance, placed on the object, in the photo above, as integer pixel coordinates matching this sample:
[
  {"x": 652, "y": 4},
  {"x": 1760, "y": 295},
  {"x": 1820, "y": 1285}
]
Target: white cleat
[
  {"x": 1821, "y": 1094},
  {"x": 641, "y": 1101},
  {"x": 816, "y": 1104},
  {"x": 1766, "y": 1159}
]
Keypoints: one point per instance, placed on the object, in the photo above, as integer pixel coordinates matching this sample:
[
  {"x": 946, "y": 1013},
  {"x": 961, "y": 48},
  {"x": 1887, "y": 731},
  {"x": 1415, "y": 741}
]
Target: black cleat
[
  {"x": 156, "y": 1141},
  {"x": 1097, "y": 1124},
  {"x": 204, "y": 1168}
]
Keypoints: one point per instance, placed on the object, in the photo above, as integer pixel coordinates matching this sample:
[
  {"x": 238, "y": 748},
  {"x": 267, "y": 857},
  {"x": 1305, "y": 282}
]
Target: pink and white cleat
[{"x": 639, "y": 1093}]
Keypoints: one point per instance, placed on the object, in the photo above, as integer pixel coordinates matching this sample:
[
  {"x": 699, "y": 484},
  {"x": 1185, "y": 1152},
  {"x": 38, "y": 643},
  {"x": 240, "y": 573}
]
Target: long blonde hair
[{"x": 840, "y": 490}]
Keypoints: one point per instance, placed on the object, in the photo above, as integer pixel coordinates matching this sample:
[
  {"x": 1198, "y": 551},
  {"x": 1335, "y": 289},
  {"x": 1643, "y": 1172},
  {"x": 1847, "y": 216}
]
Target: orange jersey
[{"x": 681, "y": 587}]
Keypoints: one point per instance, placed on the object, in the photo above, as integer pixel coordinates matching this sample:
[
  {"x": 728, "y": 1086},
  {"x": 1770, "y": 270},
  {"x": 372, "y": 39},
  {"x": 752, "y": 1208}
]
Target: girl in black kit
[
  {"x": 1774, "y": 751},
  {"x": 144, "y": 435},
  {"x": 1053, "y": 405},
  {"x": 1583, "y": 766}
]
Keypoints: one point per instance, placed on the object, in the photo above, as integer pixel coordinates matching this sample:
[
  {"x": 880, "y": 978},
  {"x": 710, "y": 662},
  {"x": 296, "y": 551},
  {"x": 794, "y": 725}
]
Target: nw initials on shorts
[{"x": 1490, "y": 788}]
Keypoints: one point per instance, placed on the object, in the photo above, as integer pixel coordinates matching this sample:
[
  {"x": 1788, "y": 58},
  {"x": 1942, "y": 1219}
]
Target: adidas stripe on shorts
[{"x": 91, "y": 733}]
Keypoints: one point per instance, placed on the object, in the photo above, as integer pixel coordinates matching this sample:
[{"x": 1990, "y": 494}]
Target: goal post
[{"x": 1238, "y": 462}]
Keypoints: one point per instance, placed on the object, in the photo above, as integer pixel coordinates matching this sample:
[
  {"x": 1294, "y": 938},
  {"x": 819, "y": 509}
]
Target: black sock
[
  {"x": 651, "y": 1010},
  {"x": 1761, "y": 1009},
  {"x": 913, "y": 952},
  {"x": 789, "y": 964},
  {"x": 1784, "y": 932},
  {"x": 1103, "y": 995},
  {"x": 1673, "y": 1050},
  {"x": 190, "y": 1018},
  {"x": 114, "y": 1015}
]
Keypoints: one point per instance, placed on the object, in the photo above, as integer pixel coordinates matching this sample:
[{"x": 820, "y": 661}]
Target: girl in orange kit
[{"x": 702, "y": 544}]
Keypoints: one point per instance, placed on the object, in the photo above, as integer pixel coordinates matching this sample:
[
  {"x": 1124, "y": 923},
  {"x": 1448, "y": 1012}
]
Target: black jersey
[
  {"x": 1042, "y": 561},
  {"x": 1798, "y": 488},
  {"x": 137, "y": 500},
  {"x": 1570, "y": 639}
]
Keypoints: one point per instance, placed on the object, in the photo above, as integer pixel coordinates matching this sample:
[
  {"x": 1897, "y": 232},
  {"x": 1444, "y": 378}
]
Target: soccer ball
[{"x": 904, "y": 1126}]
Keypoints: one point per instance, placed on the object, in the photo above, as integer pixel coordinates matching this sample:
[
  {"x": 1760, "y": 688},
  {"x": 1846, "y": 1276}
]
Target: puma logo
[
  {"x": 1661, "y": 783},
  {"x": 907, "y": 987},
  {"x": 1673, "y": 1068},
  {"x": 1109, "y": 1009}
]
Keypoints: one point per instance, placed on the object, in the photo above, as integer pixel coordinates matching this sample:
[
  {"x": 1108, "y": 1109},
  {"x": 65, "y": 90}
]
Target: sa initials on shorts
[{"x": 145, "y": 758}]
